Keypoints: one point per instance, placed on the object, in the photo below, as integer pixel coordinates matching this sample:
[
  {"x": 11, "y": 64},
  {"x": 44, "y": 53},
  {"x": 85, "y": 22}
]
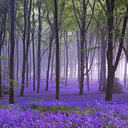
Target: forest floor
[
  {"x": 41, "y": 110},
  {"x": 68, "y": 94}
]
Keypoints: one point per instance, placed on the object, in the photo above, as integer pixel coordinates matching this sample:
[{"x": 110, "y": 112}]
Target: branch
[
  {"x": 121, "y": 39},
  {"x": 76, "y": 15}
]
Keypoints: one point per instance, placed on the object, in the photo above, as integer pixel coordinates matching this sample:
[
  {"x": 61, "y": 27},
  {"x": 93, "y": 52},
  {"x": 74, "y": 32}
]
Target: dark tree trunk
[
  {"x": 111, "y": 73},
  {"x": 27, "y": 73},
  {"x": 2, "y": 37},
  {"x": 82, "y": 50},
  {"x": 11, "y": 93},
  {"x": 57, "y": 49},
  {"x": 29, "y": 70},
  {"x": 111, "y": 68},
  {"x": 33, "y": 50},
  {"x": 25, "y": 50},
  {"x": 39, "y": 45}
]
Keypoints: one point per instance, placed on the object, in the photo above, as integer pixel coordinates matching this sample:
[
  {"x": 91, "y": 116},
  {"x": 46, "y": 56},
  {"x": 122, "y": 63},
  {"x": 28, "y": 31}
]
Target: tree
[
  {"x": 33, "y": 50},
  {"x": 3, "y": 17},
  {"x": 39, "y": 44},
  {"x": 112, "y": 67},
  {"x": 11, "y": 94},
  {"x": 57, "y": 49},
  {"x": 25, "y": 43}
]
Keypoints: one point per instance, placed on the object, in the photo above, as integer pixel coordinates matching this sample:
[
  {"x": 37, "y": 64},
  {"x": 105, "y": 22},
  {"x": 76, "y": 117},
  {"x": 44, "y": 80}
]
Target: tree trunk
[
  {"x": 11, "y": 93},
  {"x": 78, "y": 52},
  {"x": 111, "y": 68},
  {"x": 39, "y": 45},
  {"x": 17, "y": 72},
  {"x": 33, "y": 50},
  {"x": 82, "y": 49},
  {"x": 25, "y": 51},
  {"x": 2, "y": 37},
  {"x": 86, "y": 56},
  {"x": 49, "y": 57},
  {"x": 27, "y": 73},
  {"x": 66, "y": 44},
  {"x": 52, "y": 66},
  {"x": 57, "y": 49},
  {"x": 110, "y": 79}
]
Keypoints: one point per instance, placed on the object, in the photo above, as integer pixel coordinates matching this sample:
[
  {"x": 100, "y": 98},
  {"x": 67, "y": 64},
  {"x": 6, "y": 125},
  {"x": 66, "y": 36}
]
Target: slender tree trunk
[
  {"x": 33, "y": 50},
  {"x": 49, "y": 58},
  {"x": 52, "y": 66},
  {"x": 17, "y": 72},
  {"x": 66, "y": 44},
  {"x": 78, "y": 51},
  {"x": 29, "y": 63},
  {"x": 39, "y": 44},
  {"x": 25, "y": 50},
  {"x": 103, "y": 63},
  {"x": 2, "y": 37},
  {"x": 11, "y": 93},
  {"x": 27, "y": 73},
  {"x": 86, "y": 56},
  {"x": 57, "y": 49},
  {"x": 125, "y": 73}
]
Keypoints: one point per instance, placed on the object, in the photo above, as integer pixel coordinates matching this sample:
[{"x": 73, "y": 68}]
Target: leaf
[{"x": 4, "y": 58}]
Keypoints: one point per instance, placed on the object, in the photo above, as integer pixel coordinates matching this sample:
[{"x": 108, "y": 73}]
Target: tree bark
[
  {"x": 33, "y": 49},
  {"x": 57, "y": 49},
  {"x": 111, "y": 68},
  {"x": 25, "y": 50},
  {"x": 82, "y": 49},
  {"x": 39, "y": 45},
  {"x": 11, "y": 93}
]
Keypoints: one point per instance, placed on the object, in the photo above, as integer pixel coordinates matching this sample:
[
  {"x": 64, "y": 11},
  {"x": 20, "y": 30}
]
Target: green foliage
[
  {"x": 56, "y": 108},
  {"x": 34, "y": 104},
  {"x": 4, "y": 58}
]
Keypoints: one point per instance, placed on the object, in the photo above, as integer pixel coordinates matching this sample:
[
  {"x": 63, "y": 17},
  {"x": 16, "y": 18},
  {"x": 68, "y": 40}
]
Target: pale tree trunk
[
  {"x": 103, "y": 63},
  {"x": 86, "y": 59},
  {"x": 125, "y": 70},
  {"x": 66, "y": 45},
  {"x": 52, "y": 66},
  {"x": 78, "y": 52},
  {"x": 49, "y": 58}
]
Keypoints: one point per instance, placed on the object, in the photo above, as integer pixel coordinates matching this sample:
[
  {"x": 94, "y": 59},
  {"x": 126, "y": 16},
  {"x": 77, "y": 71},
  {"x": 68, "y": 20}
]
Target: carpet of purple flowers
[
  {"x": 71, "y": 111},
  {"x": 98, "y": 114}
]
